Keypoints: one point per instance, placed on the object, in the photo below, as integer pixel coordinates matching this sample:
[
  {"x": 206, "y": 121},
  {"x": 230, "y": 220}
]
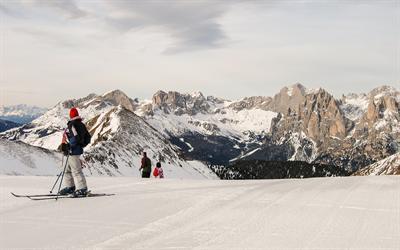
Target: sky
[{"x": 53, "y": 50}]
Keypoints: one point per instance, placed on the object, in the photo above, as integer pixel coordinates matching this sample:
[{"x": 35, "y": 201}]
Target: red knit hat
[{"x": 73, "y": 113}]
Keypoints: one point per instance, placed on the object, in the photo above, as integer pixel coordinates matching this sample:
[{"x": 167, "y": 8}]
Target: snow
[
  {"x": 245, "y": 155},
  {"x": 229, "y": 123},
  {"x": 313, "y": 91},
  {"x": 320, "y": 213},
  {"x": 22, "y": 159},
  {"x": 383, "y": 91},
  {"x": 297, "y": 140},
  {"x": 187, "y": 144},
  {"x": 354, "y": 106},
  {"x": 17, "y": 158},
  {"x": 290, "y": 91}
]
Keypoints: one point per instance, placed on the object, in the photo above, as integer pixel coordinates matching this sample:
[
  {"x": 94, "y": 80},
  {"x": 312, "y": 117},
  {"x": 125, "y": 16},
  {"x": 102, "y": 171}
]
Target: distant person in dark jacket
[
  {"x": 145, "y": 166},
  {"x": 75, "y": 138}
]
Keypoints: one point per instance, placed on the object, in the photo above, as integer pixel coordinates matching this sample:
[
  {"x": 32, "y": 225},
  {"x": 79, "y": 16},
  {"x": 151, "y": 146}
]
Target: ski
[
  {"x": 67, "y": 196},
  {"x": 34, "y": 195},
  {"x": 55, "y": 196}
]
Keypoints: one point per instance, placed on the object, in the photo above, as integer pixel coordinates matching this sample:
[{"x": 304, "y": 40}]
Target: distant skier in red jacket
[{"x": 158, "y": 171}]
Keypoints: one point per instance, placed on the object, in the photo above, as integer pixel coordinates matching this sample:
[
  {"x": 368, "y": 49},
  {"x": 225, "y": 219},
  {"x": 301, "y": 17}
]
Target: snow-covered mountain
[
  {"x": 21, "y": 113},
  {"x": 296, "y": 124},
  {"x": 387, "y": 166},
  {"x": 206, "y": 128},
  {"x": 118, "y": 137}
]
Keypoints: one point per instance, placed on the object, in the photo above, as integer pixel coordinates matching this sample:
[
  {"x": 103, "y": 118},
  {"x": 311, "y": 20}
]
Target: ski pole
[
  {"x": 59, "y": 175},
  {"x": 62, "y": 163},
  {"x": 62, "y": 176}
]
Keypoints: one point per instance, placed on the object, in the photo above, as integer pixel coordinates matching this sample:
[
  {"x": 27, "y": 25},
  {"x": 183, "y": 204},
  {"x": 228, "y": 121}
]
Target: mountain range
[
  {"x": 189, "y": 132},
  {"x": 21, "y": 113}
]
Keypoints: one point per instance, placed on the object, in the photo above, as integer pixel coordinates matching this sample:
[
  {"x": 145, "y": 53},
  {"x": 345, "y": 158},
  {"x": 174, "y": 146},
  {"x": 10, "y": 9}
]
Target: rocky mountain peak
[
  {"x": 384, "y": 90},
  {"x": 179, "y": 104},
  {"x": 289, "y": 98},
  {"x": 117, "y": 97},
  {"x": 317, "y": 114},
  {"x": 78, "y": 102},
  {"x": 323, "y": 116},
  {"x": 296, "y": 90},
  {"x": 383, "y": 111}
]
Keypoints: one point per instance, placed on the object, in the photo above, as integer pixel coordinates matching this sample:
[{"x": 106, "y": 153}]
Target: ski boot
[
  {"x": 67, "y": 190},
  {"x": 81, "y": 192}
]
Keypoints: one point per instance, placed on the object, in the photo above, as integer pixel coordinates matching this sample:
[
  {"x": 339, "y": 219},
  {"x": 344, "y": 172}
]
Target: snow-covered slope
[
  {"x": 229, "y": 123},
  {"x": 21, "y": 113},
  {"x": 321, "y": 213},
  {"x": 178, "y": 114},
  {"x": 354, "y": 106},
  {"x": 387, "y": 166},
  {"x": 17, "y": 158}
]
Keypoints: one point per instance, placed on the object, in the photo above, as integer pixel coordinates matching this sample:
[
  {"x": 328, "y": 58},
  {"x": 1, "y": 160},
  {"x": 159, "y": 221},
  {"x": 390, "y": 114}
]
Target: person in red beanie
[{"x": 75, "y": 138}]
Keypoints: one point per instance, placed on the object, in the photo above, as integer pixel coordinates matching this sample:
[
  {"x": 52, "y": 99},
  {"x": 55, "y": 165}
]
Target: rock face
[
  {"x": 117, "y": 97},
  {"x": 318, "y": 115},
  {"x": 289, "y": 98},
  {"x": 254, "y": 102},
  {"x": 180, "y": 103}
]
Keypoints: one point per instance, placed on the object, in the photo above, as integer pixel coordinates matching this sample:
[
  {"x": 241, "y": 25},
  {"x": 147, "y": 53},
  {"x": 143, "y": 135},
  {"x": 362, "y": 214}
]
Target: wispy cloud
[
  {"x": 192, "y": 24},
  {"x": 67, "y": 7}
]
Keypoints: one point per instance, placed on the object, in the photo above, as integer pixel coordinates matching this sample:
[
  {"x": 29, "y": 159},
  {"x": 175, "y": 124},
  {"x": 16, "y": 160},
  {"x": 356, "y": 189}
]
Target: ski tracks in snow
[{"x": 320, "y": 213}]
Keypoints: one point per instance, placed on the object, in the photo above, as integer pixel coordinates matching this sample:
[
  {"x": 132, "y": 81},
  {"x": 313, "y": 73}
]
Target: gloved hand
[{"x": 65, "y": 147}]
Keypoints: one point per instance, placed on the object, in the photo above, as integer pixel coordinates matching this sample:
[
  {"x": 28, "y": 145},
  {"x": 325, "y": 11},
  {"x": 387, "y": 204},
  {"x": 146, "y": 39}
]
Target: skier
[
  {"x": 158, "y": 171},
  {"x": 75, "y": 138},
  {"x": 145, "y": 166}
]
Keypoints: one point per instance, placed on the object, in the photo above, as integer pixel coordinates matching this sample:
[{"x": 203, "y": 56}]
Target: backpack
[
  {"x": 155, "y": 172},
  {"x": 85, "y": 139},
  {"x": 84, "y": 135}
]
